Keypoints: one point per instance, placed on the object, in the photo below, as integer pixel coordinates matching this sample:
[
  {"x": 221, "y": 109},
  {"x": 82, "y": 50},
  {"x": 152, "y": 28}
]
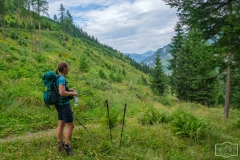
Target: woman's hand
[
  {"x": 75, "y": 94},
  {"x": 72, "y": 89}
]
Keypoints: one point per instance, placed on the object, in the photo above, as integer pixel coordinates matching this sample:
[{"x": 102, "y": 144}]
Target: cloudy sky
[{"x": 130, "y": 26}]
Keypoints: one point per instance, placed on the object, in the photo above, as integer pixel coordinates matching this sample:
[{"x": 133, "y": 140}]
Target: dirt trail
[
  {"x": 40, "y": 134},
  {"x": 27, "y": 136}
]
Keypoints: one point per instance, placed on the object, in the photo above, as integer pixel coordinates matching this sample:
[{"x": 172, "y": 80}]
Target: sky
[{"x": 129, "y": 26}]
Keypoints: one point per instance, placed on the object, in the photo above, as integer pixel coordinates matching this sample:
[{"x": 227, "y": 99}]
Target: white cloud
[{"x": 126, "y": 25}]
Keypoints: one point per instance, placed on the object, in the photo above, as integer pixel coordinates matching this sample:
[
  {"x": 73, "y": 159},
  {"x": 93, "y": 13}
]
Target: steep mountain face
[
  {"x": 139, "y": 57},
  {"x": 164, "y": 55},
  {"x": 148, "y": 58}
]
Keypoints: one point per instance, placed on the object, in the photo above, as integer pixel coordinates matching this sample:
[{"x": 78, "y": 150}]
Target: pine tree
[
  {"x": 55, "y": 18},
  {"x": 20, "y": 11},
  {"x": 235, "y": 81},
  {"x": 157, "y": 77},
  {"x": 197, "y": 78},
  {"x": 62, "y": 16},
  {"x": 175, "y": 49},
  {"x": 69, "y": 22},
  {"x": 217, "y": 20},
  {"x": 41, "y": 7},
  {"x": 30, "y": 3},
  {"x": 3, "y": 12}
]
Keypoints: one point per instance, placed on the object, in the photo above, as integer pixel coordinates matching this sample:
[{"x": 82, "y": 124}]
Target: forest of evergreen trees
[{"x": 205, "y": 51}]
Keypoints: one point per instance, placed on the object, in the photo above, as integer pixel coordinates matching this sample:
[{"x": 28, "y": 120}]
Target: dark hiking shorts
[{"x": 64, "y": 113}]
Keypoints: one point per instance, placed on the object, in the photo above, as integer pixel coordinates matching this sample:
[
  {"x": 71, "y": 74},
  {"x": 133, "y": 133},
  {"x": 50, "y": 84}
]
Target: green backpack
[{"x": 51, "y": 94}]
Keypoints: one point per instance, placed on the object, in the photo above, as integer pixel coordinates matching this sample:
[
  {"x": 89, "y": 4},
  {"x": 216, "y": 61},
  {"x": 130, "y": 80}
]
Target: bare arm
[
  {"x": 63, "y": 92},
  {"x": 72, "y": 89}
]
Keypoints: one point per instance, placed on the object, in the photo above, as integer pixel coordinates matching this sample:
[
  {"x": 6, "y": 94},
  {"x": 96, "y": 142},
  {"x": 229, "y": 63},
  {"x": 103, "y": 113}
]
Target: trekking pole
[
  {"x": 83, "y": 125},
  {"x": 123, "y": 123},
  {"x": 106, "y": 105}
]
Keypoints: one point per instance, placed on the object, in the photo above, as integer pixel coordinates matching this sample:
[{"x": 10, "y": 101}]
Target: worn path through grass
[{"x": 41, "y": 134}]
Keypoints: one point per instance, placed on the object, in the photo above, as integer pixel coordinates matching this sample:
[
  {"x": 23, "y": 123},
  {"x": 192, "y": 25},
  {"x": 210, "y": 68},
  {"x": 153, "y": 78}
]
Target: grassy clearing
[
  {"x": 155, "y": 127},
  {"x": 152, "y": 141}
]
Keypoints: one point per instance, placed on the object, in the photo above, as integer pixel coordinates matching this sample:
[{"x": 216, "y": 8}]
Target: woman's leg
[
  {"x": 68, "y": 132},
  {"x": 60, "y": 128}
]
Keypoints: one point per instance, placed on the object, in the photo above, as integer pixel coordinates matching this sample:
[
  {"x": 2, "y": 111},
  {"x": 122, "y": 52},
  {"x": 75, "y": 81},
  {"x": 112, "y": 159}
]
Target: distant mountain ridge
[
  {"x": 148, "y": 57},
  {"x": 139, "y": 57}
]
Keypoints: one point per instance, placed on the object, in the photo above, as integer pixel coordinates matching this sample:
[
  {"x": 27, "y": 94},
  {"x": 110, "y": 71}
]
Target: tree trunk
[
  {"x": 4, "y": 27},
  {"x": 18, "y": 19},
  {"x": 31, "y": 36},
  {"x": 227, "y": 97},
  {"x": 35, "y": 37},
  {"x": 39, "y": 30},
  {"x": 30, "y": 22}
]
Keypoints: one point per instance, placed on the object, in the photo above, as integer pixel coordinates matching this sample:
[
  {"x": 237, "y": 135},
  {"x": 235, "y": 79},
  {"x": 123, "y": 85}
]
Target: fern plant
[
  {"x": 189, "y": 126},
  {"x": 152, "y": 116}
]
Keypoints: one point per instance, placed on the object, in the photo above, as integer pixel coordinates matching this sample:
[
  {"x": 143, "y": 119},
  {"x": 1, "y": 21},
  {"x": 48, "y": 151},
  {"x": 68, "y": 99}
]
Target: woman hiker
[{"x": 65, "y": 116}]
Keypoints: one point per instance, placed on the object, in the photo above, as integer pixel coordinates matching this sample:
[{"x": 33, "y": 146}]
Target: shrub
[
  {"x": 14, "y": 36},
  {"x": 235, "y": 121},
  {"x": 64, "y": 43},
  {"x": 115, "y": 78},
  {"x": 189, "y": 126},
  {"x": 13, "y": 24},
  {"x": 47, "y": 45},
  {"x": 113, "y": 118},
  {"x": 119, "y": 78},
  {"x": 152, "y": 116},
  {"x": 102, "y": 74},
  {"x": 84, "y": 64},
  {"x": 39, "y": 57},
  {"x": 96, "y": 83},
  {"x": 168, "y": 100},
  {"x": 21, "y": 42}
]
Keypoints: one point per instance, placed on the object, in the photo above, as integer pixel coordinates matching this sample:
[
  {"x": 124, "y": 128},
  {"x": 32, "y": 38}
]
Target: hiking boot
[
  {"x": 68, "y": 150},
  {"x": 60, "y": 146}
]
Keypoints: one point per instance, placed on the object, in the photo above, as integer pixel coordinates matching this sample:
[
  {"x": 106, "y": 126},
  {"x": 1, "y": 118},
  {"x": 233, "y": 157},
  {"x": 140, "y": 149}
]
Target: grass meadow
[{"x": 161, "y": 128}]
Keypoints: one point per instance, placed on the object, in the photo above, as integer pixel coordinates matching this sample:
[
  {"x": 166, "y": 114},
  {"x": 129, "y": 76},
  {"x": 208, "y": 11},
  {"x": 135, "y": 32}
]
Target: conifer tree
[
  {"x": 62, "y": 16},
  {"x": 41, "y": 7},
  {"x": 196, "y": 75},
  {"x": 55, "y": 18},
  {"x": 235, "y": 82},
  {"x": 157, "y": 77},
  {"x": 30, "y": 4},
  {"x": 69, "y": 22},
  {"x": 219, "y": 21},
  {"x": 20, "y": 11},
  {"x": 3, "y": 12},
  {"x": 175, "y": 49}
]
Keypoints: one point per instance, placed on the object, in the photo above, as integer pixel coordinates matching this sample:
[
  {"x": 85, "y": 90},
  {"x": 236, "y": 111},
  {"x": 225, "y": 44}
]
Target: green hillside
[
  {"x": 155, "y": 127},
  {"x": 95, "y": 71}
]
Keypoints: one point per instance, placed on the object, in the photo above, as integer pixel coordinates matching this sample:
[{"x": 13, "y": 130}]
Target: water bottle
[{"x": 75, "y": 99}]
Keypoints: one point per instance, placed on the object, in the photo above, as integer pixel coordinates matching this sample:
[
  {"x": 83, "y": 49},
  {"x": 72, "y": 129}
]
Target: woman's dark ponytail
[{"x": 56, "y": 70}]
